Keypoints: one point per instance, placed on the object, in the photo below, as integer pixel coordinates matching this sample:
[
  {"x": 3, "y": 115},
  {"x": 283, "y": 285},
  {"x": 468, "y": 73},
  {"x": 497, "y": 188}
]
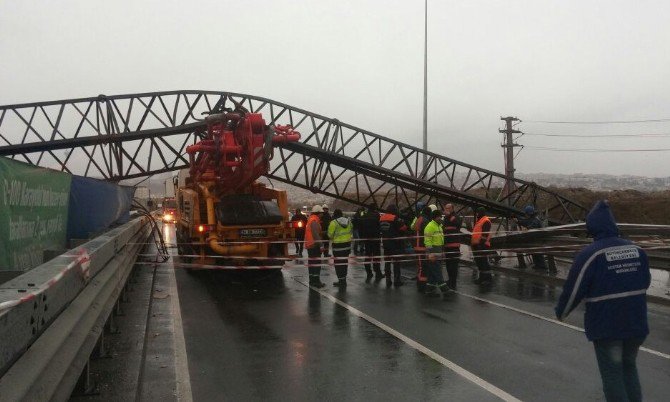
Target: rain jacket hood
[
  {"x": 343, "y": 221},
  {"x": 600, "y": 221}
]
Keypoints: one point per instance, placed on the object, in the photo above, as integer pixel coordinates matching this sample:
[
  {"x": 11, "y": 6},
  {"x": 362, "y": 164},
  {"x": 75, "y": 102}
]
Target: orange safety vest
[
  {"x": 477, "y": 232},
  {"x": 309, "y": 237},
  {"x": 419, "y": 235}
]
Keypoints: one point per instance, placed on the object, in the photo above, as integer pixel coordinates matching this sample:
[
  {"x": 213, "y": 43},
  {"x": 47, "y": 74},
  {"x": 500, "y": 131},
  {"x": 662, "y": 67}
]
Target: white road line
[
  {"x": 419, "y": 347},
  {"x": 181, "y": 359},
  {"x": 554, "y": 321}
]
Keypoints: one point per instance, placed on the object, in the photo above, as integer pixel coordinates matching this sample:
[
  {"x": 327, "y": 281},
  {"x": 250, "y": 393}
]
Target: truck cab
[
  {"x": 250, "y": 229},
  {"x": 169, "y": 210}
]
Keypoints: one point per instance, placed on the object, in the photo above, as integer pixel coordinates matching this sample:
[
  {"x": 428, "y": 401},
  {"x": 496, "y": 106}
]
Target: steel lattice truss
[{"x": 128, "y": 136}]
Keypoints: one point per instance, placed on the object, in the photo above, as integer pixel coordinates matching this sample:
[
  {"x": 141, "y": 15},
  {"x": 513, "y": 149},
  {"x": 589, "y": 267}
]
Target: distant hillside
[
  {"x": 598, "y": 181},
  {"x": 629, "y": 206}
]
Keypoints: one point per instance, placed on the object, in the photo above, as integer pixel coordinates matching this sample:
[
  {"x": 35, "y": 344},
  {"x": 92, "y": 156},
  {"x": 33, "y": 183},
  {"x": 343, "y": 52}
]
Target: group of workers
[
  {"x": 320, "y": 228},
  {"x": 611, "y": 275},
  {"x": 434, "y": 234}
]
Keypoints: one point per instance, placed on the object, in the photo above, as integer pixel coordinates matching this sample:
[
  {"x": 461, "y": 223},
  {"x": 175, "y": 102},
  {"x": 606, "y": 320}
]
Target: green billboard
[{"x": 33, "y": 213}]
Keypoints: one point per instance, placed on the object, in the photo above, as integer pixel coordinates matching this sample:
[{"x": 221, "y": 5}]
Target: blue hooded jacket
[{"x": 612, "y": 276}]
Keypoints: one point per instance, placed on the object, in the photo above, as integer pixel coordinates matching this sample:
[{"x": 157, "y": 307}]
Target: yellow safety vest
[
  {"x": 434, "y": 235},
  {"x": 339, "y": 234}
]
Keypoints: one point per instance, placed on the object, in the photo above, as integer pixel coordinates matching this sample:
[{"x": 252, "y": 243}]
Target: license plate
[{"x": 253, "y": 232}]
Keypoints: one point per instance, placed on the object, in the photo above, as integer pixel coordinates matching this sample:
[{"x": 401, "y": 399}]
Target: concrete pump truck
[{"x": 225, "y": 216}]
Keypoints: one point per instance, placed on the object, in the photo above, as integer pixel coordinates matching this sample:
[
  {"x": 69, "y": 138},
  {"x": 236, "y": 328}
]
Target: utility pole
[{"x": 509, "y": 145}]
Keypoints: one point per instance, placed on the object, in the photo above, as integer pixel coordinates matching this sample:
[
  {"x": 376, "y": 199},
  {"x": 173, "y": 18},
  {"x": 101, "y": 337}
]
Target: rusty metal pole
[{"x": 509, "y": 145}]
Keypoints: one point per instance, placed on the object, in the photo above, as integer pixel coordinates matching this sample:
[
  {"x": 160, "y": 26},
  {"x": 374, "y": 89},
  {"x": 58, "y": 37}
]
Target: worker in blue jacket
[{"x": 612, "y": 276}]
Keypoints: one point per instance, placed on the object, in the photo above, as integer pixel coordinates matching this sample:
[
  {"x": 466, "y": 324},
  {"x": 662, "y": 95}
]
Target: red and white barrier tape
[
  {"x": 565, "y": 248},
  {"x": 82, "y": 261},
  {"x": 323, "y": 261},
  {"x": 289, "y": 241},
  {"x": 353, "y": 240}
]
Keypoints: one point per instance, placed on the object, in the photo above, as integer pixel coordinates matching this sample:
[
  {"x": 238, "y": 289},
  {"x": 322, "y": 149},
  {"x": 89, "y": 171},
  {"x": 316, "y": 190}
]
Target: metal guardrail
[
  {"x": 563, "y": 241},
  {"x": 45, "y": 342}
]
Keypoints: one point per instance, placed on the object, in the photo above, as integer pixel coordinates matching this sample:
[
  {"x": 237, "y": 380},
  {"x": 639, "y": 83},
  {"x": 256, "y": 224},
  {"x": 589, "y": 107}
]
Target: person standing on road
[
  {"x": 452, "y": 224},
  {"x": 392, "y": 227},
  {"x": 481, "y": 245},
  {"x": 612, "y": 277},
  {"x": 369, "y": 231},
  {"x": 340, "y": 231},
  {"x": 418, "y": 226},
  {"x": 434, "y": 241},
  {"x": 419, "y": 209},
  {"x": 325, "y": 222},
  {"x": 359, "y": 248},
  {"x": 299, "y": 231},
  {"x": 313, "y": 244},
  {"x": 530, "y": 220}
]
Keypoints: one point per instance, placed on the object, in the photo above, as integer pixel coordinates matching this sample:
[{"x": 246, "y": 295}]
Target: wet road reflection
[
  {"x": 266, "y": 336},
  {"x": 169, "y": 234}
]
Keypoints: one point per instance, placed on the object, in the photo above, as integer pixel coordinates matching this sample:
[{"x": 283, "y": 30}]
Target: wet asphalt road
[{"x": 264, "y": 336}]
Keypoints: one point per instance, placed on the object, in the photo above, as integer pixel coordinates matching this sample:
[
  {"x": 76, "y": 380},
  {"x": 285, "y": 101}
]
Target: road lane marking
[
  {"x": 419, "y": 347},
  {"x": 541, "y": 317},
  {"x": 181, "y": 359}
]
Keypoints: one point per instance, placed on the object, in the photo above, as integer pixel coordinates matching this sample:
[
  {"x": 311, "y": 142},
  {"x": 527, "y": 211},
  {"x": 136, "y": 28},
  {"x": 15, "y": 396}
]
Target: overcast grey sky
[{"x": 362, "y": 62}]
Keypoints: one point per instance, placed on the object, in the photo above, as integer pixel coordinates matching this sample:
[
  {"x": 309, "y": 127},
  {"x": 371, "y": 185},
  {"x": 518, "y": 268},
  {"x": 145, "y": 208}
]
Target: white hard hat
[
  {"x": 317, "y": 209},
  {"x": 433, "y": 207},
  {"x": 325, "y": 206}
]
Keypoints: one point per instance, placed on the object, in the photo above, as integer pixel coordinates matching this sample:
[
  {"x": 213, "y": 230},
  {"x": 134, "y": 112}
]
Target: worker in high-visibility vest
[
  {"x": 340, "y": 232},
  {"x": 314, "y": 247},
  {"x": 434, "y": 241},
  {"x": 481, "y": 245}
]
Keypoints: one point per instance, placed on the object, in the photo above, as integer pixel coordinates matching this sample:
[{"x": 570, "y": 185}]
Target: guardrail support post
[
  {"x": 124, "y": 293},
  {"x": 100, "y": 351},
  {"x": 551, "y": 263},
  {"x": 117, "y": 309},
  {"x": 521, "y": 260},
  {"x": 112, "y": 328},
  {"x": 85, "y": 385}
]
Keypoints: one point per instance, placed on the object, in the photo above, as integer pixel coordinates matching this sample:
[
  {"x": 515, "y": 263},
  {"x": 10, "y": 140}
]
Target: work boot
[
  {"x": 397, "y": 280},
  {"x": 342, "y": 283},
  {"x": 368, "y": 273},
  {"x": 378, "y": 275},
  {"x": 318, "y": 285},
  {"x": 484, "y": 279}
]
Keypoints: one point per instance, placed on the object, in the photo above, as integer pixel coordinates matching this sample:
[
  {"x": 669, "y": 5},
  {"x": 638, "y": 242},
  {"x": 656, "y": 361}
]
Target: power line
[
  {"x": 596, "y": 149},
  {"x": 598, "y": 122},
  {"x": 600, "y": 135}
]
